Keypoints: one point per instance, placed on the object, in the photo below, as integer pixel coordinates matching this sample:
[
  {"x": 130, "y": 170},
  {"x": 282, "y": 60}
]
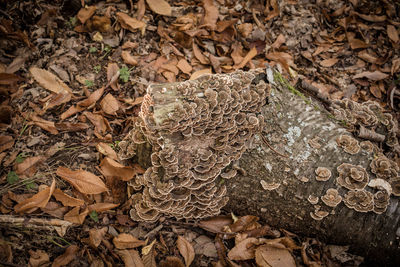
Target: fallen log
[{"x": 286, "y": 160}]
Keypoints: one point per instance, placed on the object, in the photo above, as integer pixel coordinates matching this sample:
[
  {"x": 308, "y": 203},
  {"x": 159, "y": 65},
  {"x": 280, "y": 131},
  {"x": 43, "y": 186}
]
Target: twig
[
  {"x": 311, "y": 88},
  {"x": 270, "y": 147}
]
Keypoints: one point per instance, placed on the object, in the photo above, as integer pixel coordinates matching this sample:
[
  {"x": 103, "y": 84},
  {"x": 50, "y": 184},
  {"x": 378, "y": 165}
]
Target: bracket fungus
[
  {"x": 384, "y": 168},
  {"x": 331, "y": 198},
  {"x": 381, "y": 201},
  {"x": 348, "y": 143},
  {"x": 196, "y": 129},
  {"x": 352, "y": 176},
  {"x": 323, "y": 174},
  {"x": 359, "y": 200},
  {"x": 319, "y": 214}
]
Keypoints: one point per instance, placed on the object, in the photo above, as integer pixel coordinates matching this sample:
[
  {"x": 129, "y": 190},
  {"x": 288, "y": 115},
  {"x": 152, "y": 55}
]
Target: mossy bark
[{"x": 291, "y": 123}]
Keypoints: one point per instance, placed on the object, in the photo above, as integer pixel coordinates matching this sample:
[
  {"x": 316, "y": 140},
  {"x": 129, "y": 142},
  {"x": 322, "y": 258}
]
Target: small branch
[
  {"x": 315, "y": 91},
  {"x": 365, "y": 133},
  {"x": 270, "y": 147}
]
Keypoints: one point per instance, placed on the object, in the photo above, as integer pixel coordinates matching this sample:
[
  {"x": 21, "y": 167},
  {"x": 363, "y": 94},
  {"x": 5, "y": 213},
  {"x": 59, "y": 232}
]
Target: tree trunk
[
  {"x": 303, "y": 163},
  {"x": 290, "y": 125}
]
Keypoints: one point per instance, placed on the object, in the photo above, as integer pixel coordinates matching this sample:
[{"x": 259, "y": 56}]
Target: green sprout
[
  {"x": 93, "y": 49},
  {"x": 72, "y": 22},
  {"x": 12, "y": 177},
  {"x": 89, "y": 83},
  {"x": 97, "y": 68},
  {"x": 21, "y": 157},
  {"x": 94, "y": 216},
  {"x": 30, "y": 184},
  {"x": 124, "y": 74}
]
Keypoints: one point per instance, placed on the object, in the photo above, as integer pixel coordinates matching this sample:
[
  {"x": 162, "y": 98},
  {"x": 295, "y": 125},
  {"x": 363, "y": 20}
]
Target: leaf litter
[{"x": 83, "y": 80}]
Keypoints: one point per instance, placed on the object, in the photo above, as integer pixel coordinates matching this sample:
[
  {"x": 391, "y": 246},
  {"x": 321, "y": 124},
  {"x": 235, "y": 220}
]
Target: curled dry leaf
[
  {"x": 44, "y": 124},
  {"x": 75, "y": 217},
  {"x": 84, "y": 181},
  {"x": 160, "y": 7},
  {"x": 85, "y": 13},
  {"x": 198, "y": 73},
  {"x": 216, "y": 224},
  {"x": 67, "y": 200},
  {"x": 329, "y": 62},
  {"x": 93, "y": 98},
  {"x": 100, "y": 123},
  {"x": 199, "y": 55},
  {"x": 49, "y": 81},
  {"x": 38, "y": 258},
  {"x": 112, "y": 72},
  {"x": 244, "y": 250},
  {"x": 131, "y": 258},
  {"x": 70, "y": 126},
  {"x": 96, "y": 235},
  {"x": 109, "y": 104},
  {"x": 392, "y": 33},
  {"x": 274, "y": 256},
  {"x": 71, "y": 111},
  {"x": 184, "y": 66},
  {"x": 107, "y": 150},
  {"x": 124, "y": 241},
  {"x": 211, "y": 14},
  {"x": 186, "y": 250},
  {"x": 243, "y": 223},
  {"x": 67, "y": 257},
  {"x": 128, "y": 58},
  {"x": 6, "y": 142},
  {"x": 100, "y": 207},
  {"x": 28, "y": 168},
  {"x": 39, "y": 200},
  {"x": 375, "y": 76},
  {"x": 130, "y": 23},
  {"x": 252, "y": 53},
  {"x": 172, "y": 261},
  {"x": 110, "y": 167}
]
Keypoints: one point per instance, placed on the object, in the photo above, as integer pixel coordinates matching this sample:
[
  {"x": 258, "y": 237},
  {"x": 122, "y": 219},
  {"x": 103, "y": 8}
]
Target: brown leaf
[
  {"x": 216, "y": 224},
  {"x": 395, "y": 66},
  {"x": 71, "y": 111},
  {"x": 252, "y": 53},
  {"x": 184, "y": 66},
  {"x": 39, "y": 200},
  {"x": 107, "y": 150},
  {"x": 75, "y": 217},
  {"x": 371, "y": 18},
  {"x": 8, "y": 78},
  {"x": 172, "y": 261},
  {"x": 199, "y": 55},
  {"x": 354, "y": 42},
  {"x": 392, "y": 33},
  {"x": 112, "y": 76},
  {"x": 130, "y": 23},
  {"x": 375, "y": 91},
  {"x": 56, "y": 100},
  {"x": 243, "y": 223},
  {"x": 27, "y": 168},
  {"x": 160, "y": 7},
  {"x": 92, "y": 98},
  {"x": 67, "y": 257},
  {"x": 329, "y": 62},
  {"x": 244, "y": 250},
  {"x": 67, "y": 200},
  {"x": 148, "y": 255},
  {"x": 375, "y": 76},
  {"x": 271, "y": 256},
  {"x": 279, "y": 41},
  {"x": 85, "y": 13},
  {"x": 211, "y": 14},
  {"x": 84, "y": 181},
  {"x": 44, "y": 124},
  {"x": 131, "y": 258},
  {"x": 109, "y": 167},
  {"x": 70, "y": 126},
  {"x": 109, "y": 104},
  {"x": 141, "y": 9},
  {"x": 198, "y": 73},
  {"x": 186, "y": 250},
  {"x": 38, "y": 258},
  {"x": 100, "y": 207},
  {"x": 96, "y": 235},
  {"x": 54, "y": 209},
  {"x": 128, "y": 58},
  {"x": 275, "y": 10},
  {"x": 124, "y": 241},
  {"x": 49, "y": 81},
  {"x": 283, "y": 58},
  {"x": 100, "y": 123},
  {"x": 6, "y": 142},
  {"x": 245, "y": 29}
]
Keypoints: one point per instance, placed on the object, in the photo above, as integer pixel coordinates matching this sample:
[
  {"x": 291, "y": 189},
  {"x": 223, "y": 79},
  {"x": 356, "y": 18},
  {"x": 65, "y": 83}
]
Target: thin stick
[{"x": 270, "y": 147}]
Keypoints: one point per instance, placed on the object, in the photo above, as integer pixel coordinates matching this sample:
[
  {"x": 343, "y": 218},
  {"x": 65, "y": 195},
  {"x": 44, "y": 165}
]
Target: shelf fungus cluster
[
  {"x": 196, "y": 129},
  {"x": 368, "y": 120}
]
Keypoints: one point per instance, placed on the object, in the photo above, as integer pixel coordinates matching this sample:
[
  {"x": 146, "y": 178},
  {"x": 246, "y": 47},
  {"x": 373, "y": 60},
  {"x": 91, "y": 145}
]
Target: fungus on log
[{"x": 197, "y": 134}]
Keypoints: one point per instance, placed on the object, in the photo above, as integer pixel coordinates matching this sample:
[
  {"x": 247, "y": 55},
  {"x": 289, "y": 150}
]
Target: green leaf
[
  {"x": 12, "y": 177},
  {"x": 21, "y": 157},
  {"x": 97, "y": 68},
  {"x": 30, "y": 184},
  {"x": 124, "y": 74},
  {"x": 94, "y": 216},
  {"x": 89, "y": 83},
  {"x": 93, "y": 49}
]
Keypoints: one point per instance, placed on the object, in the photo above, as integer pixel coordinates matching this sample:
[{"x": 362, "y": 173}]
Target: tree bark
[{"x": 290, "y": 125}]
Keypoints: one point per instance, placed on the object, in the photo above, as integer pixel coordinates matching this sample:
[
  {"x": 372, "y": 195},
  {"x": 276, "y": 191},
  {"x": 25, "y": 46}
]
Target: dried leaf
[
  {"x": 141, "y": 9},
  {"x": 96, "y": 235},
  {"x": 186, "y": 250},
  {"x": 84, "y": 181},
  {"x": 100, "y": 123},
  {"x": 44, "y": 124},
  {"x": 27, "y": 168},
  {"x": 172, "y": 261},
  {"x": 375, "y": 91},
  {"x": 109, "y": 167},
  {"x": 39, "y": 200},
  {"x": 160, "y": 7},
  {"x": 275, "y": 10},
  {"x": 375, "y": 76},
  {"x": 109, "y": 104},
  {"x": 211, "y": 14},
  {"x": 271, "y": 256},
  {"x": 101, "y": 207},
  {"x": 130, "y": 23},
  {"x": 92, "y": 98},
  {"x": 85, "y": 13},
  {"x": 131, "y": 258},
  {"x": 71, "y": 111},
  {"x": 49, "y": 81},
  {"x": 67, "y": 257},
  {"x": 148, "y": 256},
  {"x": 128, "y": 58},
  {"x": 354, "y": 42},
  {"x": 70, "y": 126},
  {"x": 252, "y": 53},
  {"x": 243, "y": 223},
  {"x": 113, "y": 71},
  {"x": 6, "y": 142},
  {"x": 184, "y": 66},
  {"x": 107, "y": 150},
  {"x": 124, "y": 241},
  {"x": 216, "y": 224},
  {"x": 279, "y": 41},
  {"x": 245, "y": 29},
  {"x": 371, "y": 18},
  {"x": 67, "y": 200},
  {"x": 244, "y": 250},
  {"x": 329, "y": 62},
  {"x": 199, "y": 55},
  {"x": 56, "y": 100},
  {"x": 198, "y": 73},
  {"x": 75, "y": 217},
  {"x": 392, "y": 33},
  {"x": 38, "y": 258}
]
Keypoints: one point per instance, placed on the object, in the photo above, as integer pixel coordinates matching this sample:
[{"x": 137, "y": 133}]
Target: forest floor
[{"x": 72, "y": 79}]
